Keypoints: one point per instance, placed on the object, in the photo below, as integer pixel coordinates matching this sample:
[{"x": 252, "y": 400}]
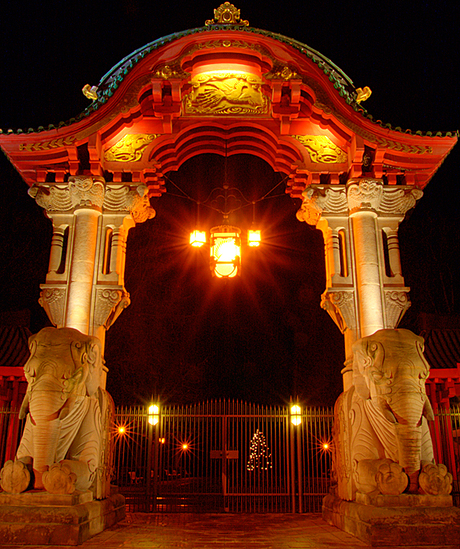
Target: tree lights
[{"x": 260, "y": 457}]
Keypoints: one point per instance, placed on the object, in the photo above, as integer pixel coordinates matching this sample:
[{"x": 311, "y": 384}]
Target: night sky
[{"x": 262, "y": 337}]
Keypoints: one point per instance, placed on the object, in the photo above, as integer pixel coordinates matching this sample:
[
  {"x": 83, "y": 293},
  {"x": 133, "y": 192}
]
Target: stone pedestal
[
  {"x": 40, "y": 518},
  {"x": 408, "y": 520}
]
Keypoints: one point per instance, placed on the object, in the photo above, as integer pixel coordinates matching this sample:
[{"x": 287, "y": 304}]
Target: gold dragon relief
[
  {"x": 226, "y": 93},
  {"x": 322, "y": 150},
  {"x": 130, "y": 148}
]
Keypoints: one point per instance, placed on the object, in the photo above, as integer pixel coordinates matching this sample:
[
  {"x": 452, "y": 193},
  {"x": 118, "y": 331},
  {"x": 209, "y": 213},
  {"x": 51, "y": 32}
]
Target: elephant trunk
[
  {"x": 44, "y": 412},
  {"x": 409, "y": 439},
  {"x": 407, "y": 405}
]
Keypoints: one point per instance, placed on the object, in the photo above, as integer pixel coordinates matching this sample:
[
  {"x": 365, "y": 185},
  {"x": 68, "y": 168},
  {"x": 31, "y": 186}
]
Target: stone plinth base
[
  {"x": 397, "y": 521},
  {"x": 40, "y": 518}
]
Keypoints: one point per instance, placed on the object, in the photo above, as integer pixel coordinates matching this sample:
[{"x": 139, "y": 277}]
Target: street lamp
[
  {"x": 296, "y": 415},
  {"x": 154, "y": 414}
]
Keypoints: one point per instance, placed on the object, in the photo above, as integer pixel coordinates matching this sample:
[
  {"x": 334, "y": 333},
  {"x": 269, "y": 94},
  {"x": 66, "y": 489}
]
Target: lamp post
[
  {"x": 153, "y": 419},
  {"x": 296, "y": 422}
]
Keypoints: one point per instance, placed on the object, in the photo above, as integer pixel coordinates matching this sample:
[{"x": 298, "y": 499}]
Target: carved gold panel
[
  {"x": 322, "y": 150},
  {"x": 226, "y": 93},
  {"x": 130, "y": 148}
]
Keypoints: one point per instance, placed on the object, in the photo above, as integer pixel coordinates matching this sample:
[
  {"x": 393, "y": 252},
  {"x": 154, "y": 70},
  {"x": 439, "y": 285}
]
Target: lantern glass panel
[
  {"x": 197, "y": 238},
  {"x": 254, "y": 238},
  {"x": 225, "y": 251}
]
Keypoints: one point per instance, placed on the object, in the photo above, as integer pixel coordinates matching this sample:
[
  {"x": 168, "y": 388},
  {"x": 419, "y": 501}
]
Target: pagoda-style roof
[{"x": 226, "y": 88}]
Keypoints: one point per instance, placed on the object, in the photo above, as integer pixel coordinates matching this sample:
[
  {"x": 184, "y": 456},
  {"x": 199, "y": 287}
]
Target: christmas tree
[{"x": 260, "y": 457}]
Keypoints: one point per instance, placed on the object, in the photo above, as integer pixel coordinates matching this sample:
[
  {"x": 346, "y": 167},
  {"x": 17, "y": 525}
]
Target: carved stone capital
[
  {"x": 52, "y": 198},
  {"x": 340, "y": 306},
  {"x": 110, "y": 303},
  {"x": 81, "y": 191},
  {"x": 364, "y": 194},
  {"x": 53, "y": 299},
  {"x": 319, "y": 200},
  {"x": 131, "y": 199},
  {"x": 399, "y": 200},
  {"x": 385, "y": 200},
  {"x": 396, "y": 304},
  {"x": 86, "y": 191},
  {"x": 122, "y": 197}
]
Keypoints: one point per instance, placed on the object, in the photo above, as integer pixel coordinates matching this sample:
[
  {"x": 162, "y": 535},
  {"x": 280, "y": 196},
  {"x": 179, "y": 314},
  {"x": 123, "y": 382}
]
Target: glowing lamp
[
  {"x": 296, "y": 415},
  {"x": 154, "y": 414},
  {"x": 225, "y": 251},
  {"x": 254, "y": 238},
  {"x": 197, "y": 238}
]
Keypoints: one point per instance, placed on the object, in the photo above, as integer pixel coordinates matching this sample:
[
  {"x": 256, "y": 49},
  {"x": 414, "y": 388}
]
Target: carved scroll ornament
[
  {"x": 340, "y": 306},
  {"x": 317, "y": 200},
  {"x": 53, "y": 300},
  {"x": 322, "y": 150},
  {"x": 396, "y": 304},
  {"x": 110, "y": 303},
  {"x": 130, "y": 148},
  {"x": 226, "y": 93}
]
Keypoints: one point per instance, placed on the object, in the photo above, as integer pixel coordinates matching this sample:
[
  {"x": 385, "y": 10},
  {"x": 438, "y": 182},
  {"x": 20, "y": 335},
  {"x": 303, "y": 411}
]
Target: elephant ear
[
  {"x": 95, "y": 366},
  {"x": 420, "y": 346},
  {"x": 359, "y": 358}
]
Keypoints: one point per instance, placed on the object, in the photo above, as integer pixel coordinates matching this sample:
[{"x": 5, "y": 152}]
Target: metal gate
[{"x": 224, "y": 456}]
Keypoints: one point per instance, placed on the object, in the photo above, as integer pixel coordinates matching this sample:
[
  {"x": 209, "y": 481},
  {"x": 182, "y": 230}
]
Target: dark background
[{"x": 262, "y": 337}]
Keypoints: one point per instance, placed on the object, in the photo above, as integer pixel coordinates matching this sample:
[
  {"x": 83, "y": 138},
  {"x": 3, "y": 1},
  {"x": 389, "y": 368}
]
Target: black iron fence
[
  {"x": 445, "y": 433},
  {"x": 223, "y": 456},
  {"x": 231, "y": 456}
]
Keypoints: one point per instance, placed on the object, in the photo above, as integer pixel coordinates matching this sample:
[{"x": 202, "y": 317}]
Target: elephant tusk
[{"x": 428, "y": 410}]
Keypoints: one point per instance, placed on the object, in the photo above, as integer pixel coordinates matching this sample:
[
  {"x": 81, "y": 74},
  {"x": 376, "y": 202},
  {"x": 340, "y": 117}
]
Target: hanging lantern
[
  {"x": 254, "y": 238},
  {"x": 197, "y": 238},
  {"x": 225, "y": 250}
]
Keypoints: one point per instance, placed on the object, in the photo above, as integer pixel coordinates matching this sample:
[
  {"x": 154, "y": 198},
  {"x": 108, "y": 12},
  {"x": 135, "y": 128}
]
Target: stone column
[
  {"x": 326, "y": 207},
  {"x": 80, "y": 284},
  {"x": 84, "y": 286},
  {"x": 74, "y": 208},
  {"x": 364, "y": 197},
  {"x": 365, "y": 289}
]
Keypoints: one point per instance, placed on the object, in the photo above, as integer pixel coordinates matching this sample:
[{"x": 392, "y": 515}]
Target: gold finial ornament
[
  {"x": 363, "y": 94},
  {"x": 226, "y": 14},
  {"x": 90, "y": 92}
]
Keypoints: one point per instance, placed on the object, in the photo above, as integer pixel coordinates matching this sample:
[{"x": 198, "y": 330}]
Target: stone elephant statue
[
  {"x": 66, "y": 441},
  {"x": 382, "y": 440}
]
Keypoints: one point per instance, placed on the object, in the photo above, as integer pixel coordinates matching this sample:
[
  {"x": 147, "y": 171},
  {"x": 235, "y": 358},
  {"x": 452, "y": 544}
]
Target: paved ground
[
  {"x": 206, "y": 531},
  {"x": 212, "y": 531}
]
